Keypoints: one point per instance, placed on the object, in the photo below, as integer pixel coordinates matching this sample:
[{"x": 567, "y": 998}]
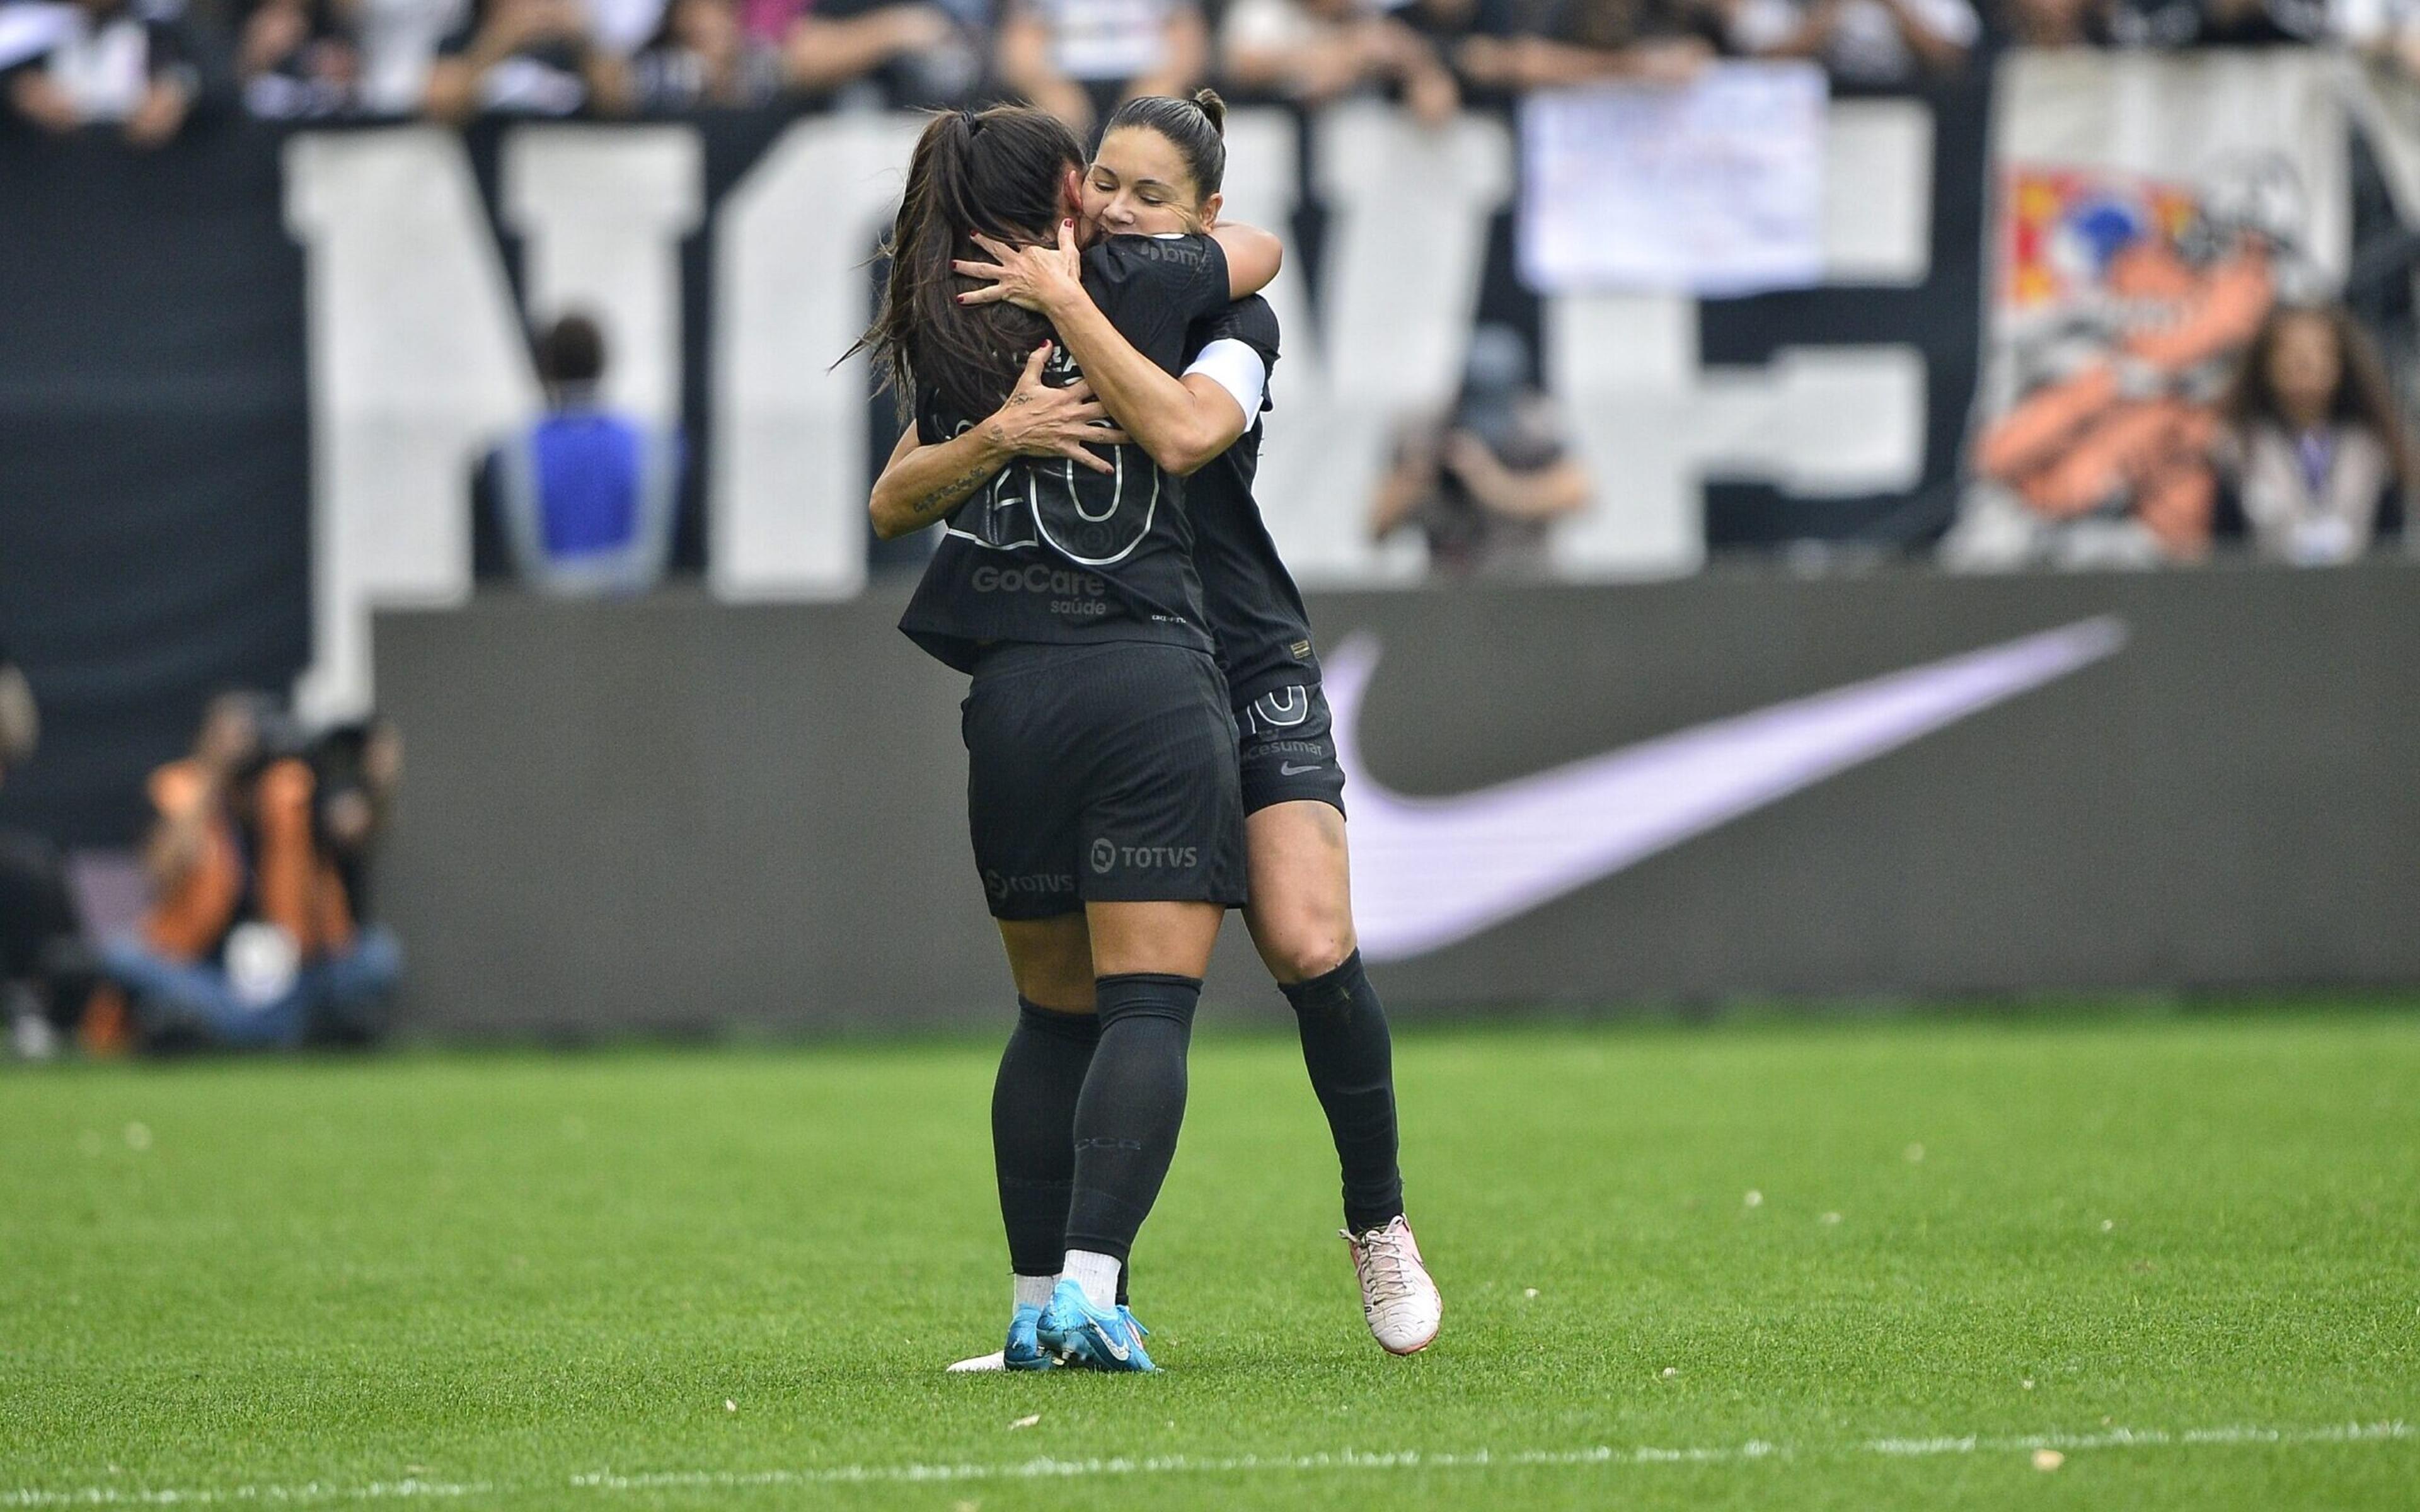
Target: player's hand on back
[
  {"x": 1038, "y": 420},
  {"x": 1043, "y": 279}
]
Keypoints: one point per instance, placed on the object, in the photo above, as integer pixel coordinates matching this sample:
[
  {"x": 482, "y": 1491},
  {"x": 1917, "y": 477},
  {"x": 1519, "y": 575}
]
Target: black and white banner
[{"x": 242, "y": 381}]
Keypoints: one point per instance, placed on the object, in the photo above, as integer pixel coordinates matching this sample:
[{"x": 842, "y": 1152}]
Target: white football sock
[
  {"x": 1033, "y": 1290},
  {"x": 1097, "y": 1275}
]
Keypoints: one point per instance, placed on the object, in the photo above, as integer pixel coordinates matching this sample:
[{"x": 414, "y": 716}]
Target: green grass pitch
[{"x": 1852, "y": 1264}]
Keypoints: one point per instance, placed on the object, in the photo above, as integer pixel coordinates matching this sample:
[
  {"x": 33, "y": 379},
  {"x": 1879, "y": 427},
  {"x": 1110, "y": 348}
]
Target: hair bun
[{"x": 1213, "y": 107}]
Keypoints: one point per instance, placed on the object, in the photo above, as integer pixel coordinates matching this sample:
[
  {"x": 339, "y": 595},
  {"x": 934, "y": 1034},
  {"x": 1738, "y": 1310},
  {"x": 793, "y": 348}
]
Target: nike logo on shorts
[
  {"x": 1289, "y": 769},
  {"x": 1432, "y": 871}
]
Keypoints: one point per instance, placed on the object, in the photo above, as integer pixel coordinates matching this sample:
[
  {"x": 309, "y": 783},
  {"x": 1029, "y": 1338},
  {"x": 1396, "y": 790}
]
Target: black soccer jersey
[
  {"x": 1255, "y": 607},
  {"x": 1050, "y": 551}
]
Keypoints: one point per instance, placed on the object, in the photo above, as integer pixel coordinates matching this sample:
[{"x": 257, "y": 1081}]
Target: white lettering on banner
[
  {"x": 1652, "y": 423},
  {"x": 788, "y": 507},
  {"x": 417, "y": 357},
  {"x": 1878, "y": 192},
  {"x": 1652, "y": 426},
  {"x": 1406, "y": 248},
  {"x": 601, "y": 212}
]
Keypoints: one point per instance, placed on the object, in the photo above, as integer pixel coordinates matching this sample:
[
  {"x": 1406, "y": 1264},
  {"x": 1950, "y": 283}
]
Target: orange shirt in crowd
[{"x": 295, "y": 888}]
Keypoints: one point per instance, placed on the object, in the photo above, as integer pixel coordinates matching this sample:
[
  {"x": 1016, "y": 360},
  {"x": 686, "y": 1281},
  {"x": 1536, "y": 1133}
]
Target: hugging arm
[
  {"x": 922, "y": 483},
  {"x": 1182, "y": 422}
]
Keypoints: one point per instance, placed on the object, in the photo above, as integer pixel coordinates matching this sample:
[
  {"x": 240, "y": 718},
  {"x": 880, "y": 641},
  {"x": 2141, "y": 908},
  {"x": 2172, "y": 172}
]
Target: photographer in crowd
[
  {"x": 252, "y": 940},
  {"x": 1485, "y": 481}
]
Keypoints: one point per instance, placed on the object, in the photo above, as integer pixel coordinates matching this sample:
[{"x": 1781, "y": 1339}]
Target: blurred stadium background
[
  {"x": 1990, "y": 581},
  {"x": 1873, "y": 334}
]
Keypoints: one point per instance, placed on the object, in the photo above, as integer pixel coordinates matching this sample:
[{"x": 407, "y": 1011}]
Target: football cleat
[
  {"x": 1084, "y": 1337},
  {"x": 1023, "y": 1351},
  {"x": 1398, "y": 1298}
]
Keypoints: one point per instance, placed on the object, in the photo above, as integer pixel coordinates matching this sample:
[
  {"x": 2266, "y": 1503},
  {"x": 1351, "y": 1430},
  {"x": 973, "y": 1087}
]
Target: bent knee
[{"x": 1303, "y": 946}]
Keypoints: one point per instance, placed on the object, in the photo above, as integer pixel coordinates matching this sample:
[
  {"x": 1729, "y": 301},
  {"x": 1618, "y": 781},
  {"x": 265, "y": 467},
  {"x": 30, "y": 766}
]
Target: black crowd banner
[{"x": 157, "y": 396}]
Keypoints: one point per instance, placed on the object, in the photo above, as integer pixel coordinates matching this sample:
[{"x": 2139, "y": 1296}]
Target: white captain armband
[{"x": 1235, "y": 368}]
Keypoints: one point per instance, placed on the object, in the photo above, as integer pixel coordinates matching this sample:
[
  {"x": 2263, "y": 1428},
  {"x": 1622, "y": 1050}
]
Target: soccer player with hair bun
[{"x": 1158, "y": 174}]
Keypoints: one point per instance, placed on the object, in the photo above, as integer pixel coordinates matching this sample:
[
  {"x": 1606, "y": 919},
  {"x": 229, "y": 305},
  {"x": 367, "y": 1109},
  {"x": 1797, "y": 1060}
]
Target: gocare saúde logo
[{"x": 1037, "y": 579}]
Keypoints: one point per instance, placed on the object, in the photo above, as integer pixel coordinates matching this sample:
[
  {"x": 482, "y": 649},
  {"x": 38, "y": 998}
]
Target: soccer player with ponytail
[
  {"x": 1101, "y": 790},
  {"x": 1158, "y": 172}
]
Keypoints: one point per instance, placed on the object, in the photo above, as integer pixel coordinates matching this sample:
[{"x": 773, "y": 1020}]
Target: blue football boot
[
  {"x": 1085, "y": 1336},
  {"x": 1024, "y": 1351}
]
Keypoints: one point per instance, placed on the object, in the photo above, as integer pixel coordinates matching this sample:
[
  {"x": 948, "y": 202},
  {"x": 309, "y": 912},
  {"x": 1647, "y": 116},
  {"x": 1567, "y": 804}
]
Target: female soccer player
[
  {"x": 1157, "y": 173},
  {"x": 1101, "y": 788}
]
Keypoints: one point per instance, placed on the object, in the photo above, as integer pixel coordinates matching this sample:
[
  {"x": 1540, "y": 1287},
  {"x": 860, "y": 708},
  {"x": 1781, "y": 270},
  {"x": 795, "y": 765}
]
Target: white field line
[
  {"x": 1045, "y": 1468},
  {"x": 302, "y": 1493}
]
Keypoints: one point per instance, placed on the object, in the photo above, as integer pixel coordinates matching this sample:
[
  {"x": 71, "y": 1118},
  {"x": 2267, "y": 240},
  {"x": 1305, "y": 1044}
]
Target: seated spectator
[
  {"x": 130, "y": 64},
  {"x": 297, "y": 58},
  {"x": 622, "y": 27},
  {"x": 399, "y": 40},
  {"x": 2316, "y": 463},
  {"x": 2218, "y": 22},
  {"x": 525, "y": 57},
  {"x": 913, "y": 55},
  {"x": 1078, "y": 59},
  {"x": 1882, "y": 42},
  {"x": 701, "y": 56},
  {"x": 1520, "y": 45},
  {"x": 581, "y": 502},
  {"x": 251, "y": 940},
  {"x": 45, "y": 974},
  {"x": 2045, "y": 25},
  {"x": 1315, "y": 51},
  {"x": 2387, "y": 31},
  {"x": 1485, "y": 481}
]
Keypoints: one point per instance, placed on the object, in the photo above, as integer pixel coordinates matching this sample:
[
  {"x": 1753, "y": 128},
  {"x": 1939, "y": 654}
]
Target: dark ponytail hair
[
  {"x": 999, "y": 172},
  {"x": 1196, "y": 128}
]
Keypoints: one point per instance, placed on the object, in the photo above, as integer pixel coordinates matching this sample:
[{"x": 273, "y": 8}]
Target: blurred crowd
[
  {"x": 2265, "y": 421},
  {"x": 254, "y": 929},
  {"x": 144, "y": 66}
]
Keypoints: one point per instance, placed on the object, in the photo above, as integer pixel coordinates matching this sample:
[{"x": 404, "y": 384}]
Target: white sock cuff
[
  {"x": 1097, "y": 1275},
  {"x": 1033, "y": 1290}
]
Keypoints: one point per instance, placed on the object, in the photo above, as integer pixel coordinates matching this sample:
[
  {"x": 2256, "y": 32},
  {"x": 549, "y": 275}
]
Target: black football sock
[
  {"x": 1351, "y": 1061},
  {"x": 1033, "y": 1130},
  {"x": 1133, "y": 1105}
]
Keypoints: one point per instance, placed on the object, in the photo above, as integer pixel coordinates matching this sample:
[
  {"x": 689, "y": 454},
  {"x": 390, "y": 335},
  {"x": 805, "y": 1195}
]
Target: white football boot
[{"x": 1397, "y": 1296}]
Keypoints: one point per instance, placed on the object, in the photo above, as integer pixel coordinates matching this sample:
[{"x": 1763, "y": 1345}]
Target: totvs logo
[{"x": 1107, "y": 855}]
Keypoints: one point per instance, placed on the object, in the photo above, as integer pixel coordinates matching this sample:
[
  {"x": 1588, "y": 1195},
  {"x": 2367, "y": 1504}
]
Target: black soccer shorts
[
  {"x": 1102, "y": 773},
  {"x": 1289, "y": 748}
]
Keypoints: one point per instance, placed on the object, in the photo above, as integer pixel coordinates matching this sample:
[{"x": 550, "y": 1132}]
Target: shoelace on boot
[{"x": 1385, "y": 1263}]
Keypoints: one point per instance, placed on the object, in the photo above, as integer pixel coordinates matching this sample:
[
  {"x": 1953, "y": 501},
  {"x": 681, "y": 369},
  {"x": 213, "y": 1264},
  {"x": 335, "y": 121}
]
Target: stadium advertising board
[{"x": 684, "y": 813}]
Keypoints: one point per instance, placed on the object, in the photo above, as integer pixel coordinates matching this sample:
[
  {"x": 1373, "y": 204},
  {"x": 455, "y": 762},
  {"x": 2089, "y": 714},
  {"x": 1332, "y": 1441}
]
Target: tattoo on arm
[{"x": 941, "y": 498}]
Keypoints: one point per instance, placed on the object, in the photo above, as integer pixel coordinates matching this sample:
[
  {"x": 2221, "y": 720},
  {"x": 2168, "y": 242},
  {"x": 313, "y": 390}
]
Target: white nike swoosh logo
[
  {"x": 1430, "y": 873},
  {"x": 1286, "y": 770}
]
